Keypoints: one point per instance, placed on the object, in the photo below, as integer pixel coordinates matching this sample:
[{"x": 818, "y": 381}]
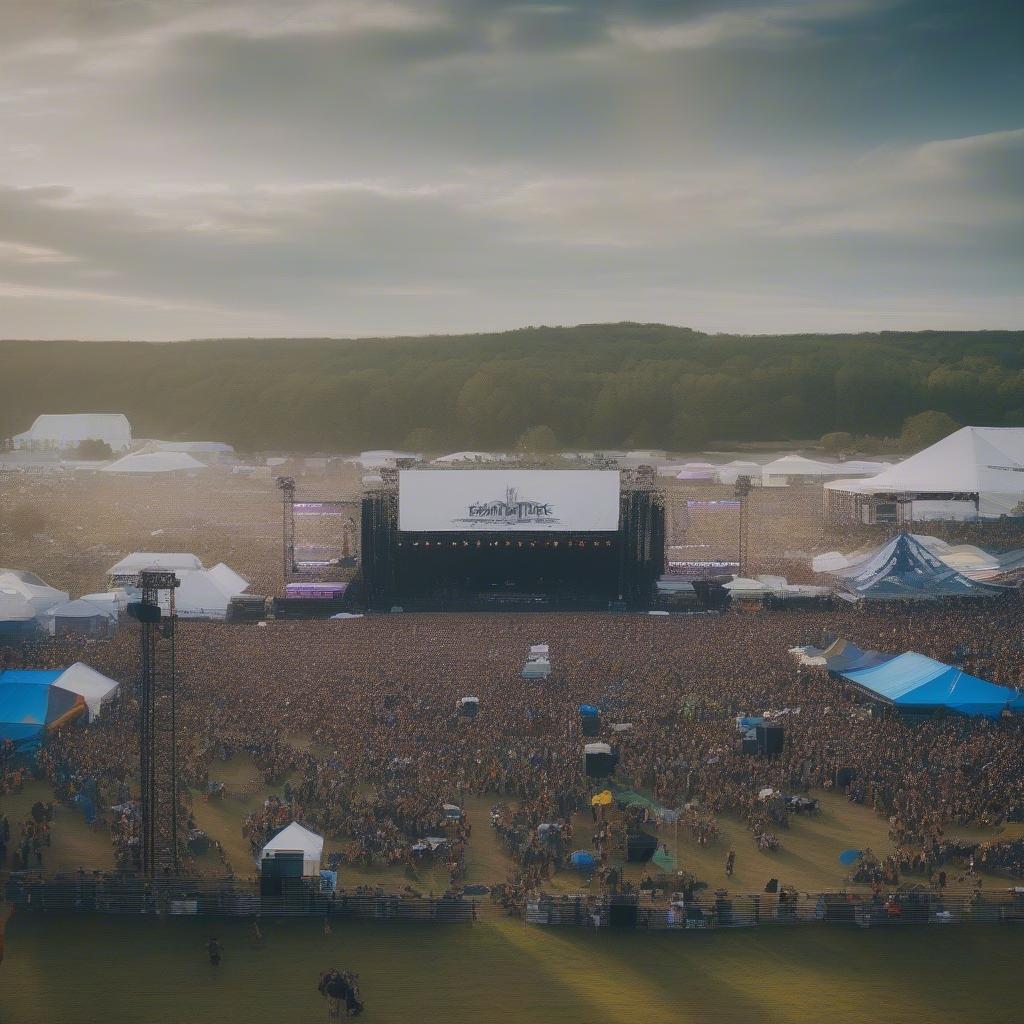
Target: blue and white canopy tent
[{"x": 904, "y": 569}]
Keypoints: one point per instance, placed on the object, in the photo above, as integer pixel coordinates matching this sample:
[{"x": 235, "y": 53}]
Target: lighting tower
[
  {"x": 286, "y": 485},
  {"x": 158, "y": 739},
  {"x": 742, "y": 492}
]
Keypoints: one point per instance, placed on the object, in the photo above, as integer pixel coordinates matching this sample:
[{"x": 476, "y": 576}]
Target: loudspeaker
[
  {"x": 770, "y": 739},
  {"x": 622, "y": 915},
  {"x": 640, "y": 848},
  {"x": 144, "y": 612}
]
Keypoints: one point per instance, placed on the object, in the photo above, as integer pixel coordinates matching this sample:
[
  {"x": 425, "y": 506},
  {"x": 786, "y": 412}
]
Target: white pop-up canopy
[
  {"x": 93, "y": 686},
  {"x": 296, "y": 839}
]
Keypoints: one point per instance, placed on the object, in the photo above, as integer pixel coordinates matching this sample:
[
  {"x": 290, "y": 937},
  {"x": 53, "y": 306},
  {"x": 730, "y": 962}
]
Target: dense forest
[{"x": 611, "y": 385}]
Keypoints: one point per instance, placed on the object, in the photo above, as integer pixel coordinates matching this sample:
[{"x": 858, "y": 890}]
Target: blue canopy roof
[
  {"x": 905, "y": 569},
  {"x": 29, "y": 702},
  {"x": 913, "y": 680}
]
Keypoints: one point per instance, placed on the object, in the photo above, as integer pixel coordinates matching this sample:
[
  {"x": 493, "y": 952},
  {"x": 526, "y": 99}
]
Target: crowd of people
[{"x": 360, "y": 717}]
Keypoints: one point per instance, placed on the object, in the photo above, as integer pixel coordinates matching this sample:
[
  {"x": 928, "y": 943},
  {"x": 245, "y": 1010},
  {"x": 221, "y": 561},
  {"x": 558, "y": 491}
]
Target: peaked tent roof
[
  {"x": 89, "y": 684},
  {"x": 797, "y": 465},
  {"x": 38, "y": 593},
  {"x": 295, "y": 838},
  {"x": 905, "y": 569},
  {"x": 154, "y": 462},
  {"x": 227, "y": 581},
  {"x": 913, "y": 680},
  {"x": 972, "y": 460}
]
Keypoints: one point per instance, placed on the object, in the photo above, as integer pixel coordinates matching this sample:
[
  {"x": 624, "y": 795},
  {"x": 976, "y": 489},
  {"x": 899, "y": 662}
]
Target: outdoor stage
[{"x": 511, "y": 539}]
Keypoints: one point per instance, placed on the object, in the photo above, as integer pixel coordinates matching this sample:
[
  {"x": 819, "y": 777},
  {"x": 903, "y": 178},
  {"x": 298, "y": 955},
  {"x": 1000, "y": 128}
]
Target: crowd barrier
[{"x": 644, "y": 910}]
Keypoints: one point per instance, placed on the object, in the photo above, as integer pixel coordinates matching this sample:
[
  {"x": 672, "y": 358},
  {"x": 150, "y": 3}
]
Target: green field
[{"x": 84, "y": 971}]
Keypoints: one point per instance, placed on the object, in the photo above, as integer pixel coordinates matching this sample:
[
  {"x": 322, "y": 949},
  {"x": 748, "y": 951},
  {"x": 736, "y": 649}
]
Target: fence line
[{"x": 648, "y": 910}]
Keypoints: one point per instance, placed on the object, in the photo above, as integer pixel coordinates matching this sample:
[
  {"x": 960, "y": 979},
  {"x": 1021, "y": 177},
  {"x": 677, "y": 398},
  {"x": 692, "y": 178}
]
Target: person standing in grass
[{"x": 215, "y": 949}]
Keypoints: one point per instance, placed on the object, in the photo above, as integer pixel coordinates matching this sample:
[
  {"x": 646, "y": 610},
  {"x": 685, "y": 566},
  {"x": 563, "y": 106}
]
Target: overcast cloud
[{"x": 186, "y": 168}]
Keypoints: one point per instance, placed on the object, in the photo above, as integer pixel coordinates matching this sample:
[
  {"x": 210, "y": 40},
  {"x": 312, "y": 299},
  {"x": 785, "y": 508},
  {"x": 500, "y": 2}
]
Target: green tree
[
  {"x": 539, "y": 440},
  {"x": 838, "y": 441},
  {"x": 92, "y": 449},
  {"x": 925, "y": 429}
]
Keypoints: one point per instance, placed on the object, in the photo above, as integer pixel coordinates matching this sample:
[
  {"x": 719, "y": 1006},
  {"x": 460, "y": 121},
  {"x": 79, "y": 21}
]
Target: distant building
[{"x": 66, "y": 431}]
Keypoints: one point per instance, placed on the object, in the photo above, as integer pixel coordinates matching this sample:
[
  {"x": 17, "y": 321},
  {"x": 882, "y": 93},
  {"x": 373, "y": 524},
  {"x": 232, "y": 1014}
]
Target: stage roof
[{"x": 913, "y": 680}]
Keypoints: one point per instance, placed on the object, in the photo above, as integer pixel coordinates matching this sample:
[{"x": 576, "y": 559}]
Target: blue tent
[
  {"x": 904, "y": 569},
  {"x": 29, "y": 703},
  {"x": 913, "y": 682}
]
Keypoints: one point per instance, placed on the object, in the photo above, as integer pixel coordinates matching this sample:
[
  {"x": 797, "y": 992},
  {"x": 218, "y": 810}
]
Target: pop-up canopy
[{"x": 296, "y": 839}]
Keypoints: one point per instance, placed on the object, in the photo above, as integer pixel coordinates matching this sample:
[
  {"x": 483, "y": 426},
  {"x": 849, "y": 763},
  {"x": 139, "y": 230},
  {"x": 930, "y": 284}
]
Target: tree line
[{"x": 592, "y": 386}]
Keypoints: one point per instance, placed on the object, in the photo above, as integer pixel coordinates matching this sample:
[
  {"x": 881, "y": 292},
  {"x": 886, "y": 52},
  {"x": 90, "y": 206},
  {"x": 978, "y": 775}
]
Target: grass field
[{"x": 84, "y": 971}]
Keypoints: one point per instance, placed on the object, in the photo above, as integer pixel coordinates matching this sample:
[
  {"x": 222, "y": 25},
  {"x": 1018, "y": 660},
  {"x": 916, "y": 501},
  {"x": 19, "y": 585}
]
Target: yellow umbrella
[{"x": 602, "y": 799}]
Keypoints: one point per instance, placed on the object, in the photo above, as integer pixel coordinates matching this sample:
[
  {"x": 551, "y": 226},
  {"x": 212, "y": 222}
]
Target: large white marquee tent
[
  {"x": 974, "y": 472},
  {"x": 63, "y": 431}
]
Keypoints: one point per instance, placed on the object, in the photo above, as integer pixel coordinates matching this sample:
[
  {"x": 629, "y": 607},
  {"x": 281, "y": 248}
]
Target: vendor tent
[
  {"x": 296, "y": 839},
  {"x": 92, "y": 686},
  {"x": 79, "y": 618},
  {"x": 17, "y": 617},
  {"x": 904, "y": 569},
  {"x": 913, "y": 682}
]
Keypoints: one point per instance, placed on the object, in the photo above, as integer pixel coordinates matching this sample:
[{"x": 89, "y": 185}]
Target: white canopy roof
[
  {"x": 89, "y": 683},
  {"x": 227, "y": 580},
  {"x": 296, "y": 839},
  {"x": 78, "y": 609},
  {"x": 973, "y": 460},
  {"x": 797, "y": 465},
  {"x": 39, "y": 595},
  {"x": 15, "y": 607},
  {"x": 200, "y": 595},
  {"x": 470, "y": 457},
  {"x": 65, "y": 430},
  {"x": 155, "y": 462},
  {"x": 138, "y": 560}
]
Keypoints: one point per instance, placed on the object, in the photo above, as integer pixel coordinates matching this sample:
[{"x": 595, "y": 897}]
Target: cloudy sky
[{"x": 187, "y": 168}]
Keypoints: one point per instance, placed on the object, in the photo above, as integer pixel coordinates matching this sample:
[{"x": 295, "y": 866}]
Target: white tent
[
  {"x": 795, "y": 467},
  {"x": 296, "y": 839},
  {"x": 14, "y": 607},
  {"x": 470, "y": 457},
  {"x": 983, "y": 461},
  {"x": 227, "y": 580},
  {"x": 732, "y": 471},
  {"x": 79, "y": 616},
  {"x": 155, "y": 462},
  {"x": 35, "y": 591},
  {"x": 201, "y": 595},
  {"x": 133, "y": 564},
  {"x": 63, "y": 431},
  {"x": 194, "y": 447},
  {"x": 94, "y": 687}
]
